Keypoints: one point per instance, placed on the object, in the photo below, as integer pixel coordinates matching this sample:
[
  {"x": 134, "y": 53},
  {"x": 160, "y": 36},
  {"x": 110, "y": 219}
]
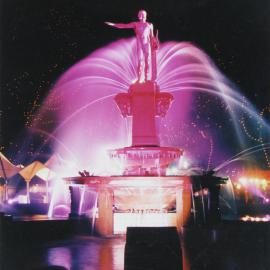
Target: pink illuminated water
[
  {"x": 210, "y": 119},
  {"x": 80, "y": 119}
]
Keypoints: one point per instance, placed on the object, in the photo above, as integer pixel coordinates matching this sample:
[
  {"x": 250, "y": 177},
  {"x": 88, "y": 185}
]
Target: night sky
[{"x": 40, "y": 39}]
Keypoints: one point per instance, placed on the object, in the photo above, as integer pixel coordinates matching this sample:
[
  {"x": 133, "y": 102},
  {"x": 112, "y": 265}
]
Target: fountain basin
[
  {"x": 124, "y": 201},
  {"x": 146, "y": 160}
]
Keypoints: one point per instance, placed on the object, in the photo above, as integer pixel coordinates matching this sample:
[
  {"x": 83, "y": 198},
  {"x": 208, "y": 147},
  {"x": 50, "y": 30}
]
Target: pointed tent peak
[
  {"x": 5, "y": 159},
  {"x": 54, "y": 160},
  {"x": 46, "y": 174},
  {"x": 30, "y": 171},
  {"x": 7, "y": 168},
  {"x": 8, "y": 171}
]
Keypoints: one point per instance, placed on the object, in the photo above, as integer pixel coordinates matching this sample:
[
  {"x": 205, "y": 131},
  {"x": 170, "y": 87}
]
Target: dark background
[{"x": 40, "y": 39}]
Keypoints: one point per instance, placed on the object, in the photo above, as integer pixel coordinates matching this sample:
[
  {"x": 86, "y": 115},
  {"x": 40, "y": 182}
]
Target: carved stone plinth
[{"x": 144, "y": 103}]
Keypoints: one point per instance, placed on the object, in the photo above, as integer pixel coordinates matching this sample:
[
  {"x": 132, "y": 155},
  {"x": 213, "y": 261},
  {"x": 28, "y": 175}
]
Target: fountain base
[{"x": 123, "y": 201}]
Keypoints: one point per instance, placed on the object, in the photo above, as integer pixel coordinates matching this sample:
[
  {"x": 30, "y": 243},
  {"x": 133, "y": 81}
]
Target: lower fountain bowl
[{"x": 146, "y": 160}]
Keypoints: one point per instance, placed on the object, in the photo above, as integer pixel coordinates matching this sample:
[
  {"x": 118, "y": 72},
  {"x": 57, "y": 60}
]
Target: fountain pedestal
[
  {"x": 144, "y": 103},
  {"x": 143, "y": 195}
]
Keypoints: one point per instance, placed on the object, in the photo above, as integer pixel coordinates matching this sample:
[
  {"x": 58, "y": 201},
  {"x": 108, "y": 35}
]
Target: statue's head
[{"x": 142, "y": 15}]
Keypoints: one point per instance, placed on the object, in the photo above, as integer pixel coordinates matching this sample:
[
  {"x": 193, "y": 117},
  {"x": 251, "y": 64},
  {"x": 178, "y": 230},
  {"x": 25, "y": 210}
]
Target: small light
[
  {"x": 238, "y": 186},
  {"x": 10, "y": 201},
  {"x": 205, "y": 191},
  {"x": 245, "y": 218},
  {"x": 185, "y": 164},
  {"x": 243, "y": 180}
]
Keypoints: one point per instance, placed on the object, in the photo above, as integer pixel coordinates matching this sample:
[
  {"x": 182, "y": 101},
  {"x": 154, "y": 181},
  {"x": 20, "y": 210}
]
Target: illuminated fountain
[
  {"x": 124, "y": 153},
  {"x": 143, "y": 195}
]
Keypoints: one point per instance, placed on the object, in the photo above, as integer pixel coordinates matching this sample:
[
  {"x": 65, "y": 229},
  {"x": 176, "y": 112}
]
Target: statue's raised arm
[
  {"x": 147, "y": 45},
  {"x": 121, "y": 25}
]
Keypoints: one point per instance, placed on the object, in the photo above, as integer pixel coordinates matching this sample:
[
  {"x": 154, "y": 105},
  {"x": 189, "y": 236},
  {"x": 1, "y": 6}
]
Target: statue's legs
[
  {"x": 143, "y": 52},
  {"x": 140, "y": 62},
  {"x": 140, "y": 69},
  {"x": 146, "y": 53},
  {"x": 146, "y": 66}
]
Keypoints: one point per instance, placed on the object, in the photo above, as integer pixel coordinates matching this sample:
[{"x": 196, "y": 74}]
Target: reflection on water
[
  {"x": 88, "y": 254},
  {"x": 60, "y": 256},
  {"x": 235, "y": 246}
]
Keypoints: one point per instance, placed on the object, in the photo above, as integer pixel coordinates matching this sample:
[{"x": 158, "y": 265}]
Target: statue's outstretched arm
[{"x": 121, "y": 25}]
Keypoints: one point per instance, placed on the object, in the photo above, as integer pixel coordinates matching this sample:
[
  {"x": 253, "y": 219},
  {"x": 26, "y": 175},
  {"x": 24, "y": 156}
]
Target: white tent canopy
[{"x": 7, "y": 168}]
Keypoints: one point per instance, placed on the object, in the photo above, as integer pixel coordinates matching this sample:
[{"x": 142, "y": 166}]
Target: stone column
[
  {"x": 143, "y": 106},
  {"x": 75, "y": 201},
  {"x": 179, "y": 209},
  {"x": 183, "y": 204},
  {"x": 104, "y": 222}
]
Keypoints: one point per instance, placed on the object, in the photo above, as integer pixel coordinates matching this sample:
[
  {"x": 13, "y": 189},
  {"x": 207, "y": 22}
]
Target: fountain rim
[{"x": 132, "y": 181}]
